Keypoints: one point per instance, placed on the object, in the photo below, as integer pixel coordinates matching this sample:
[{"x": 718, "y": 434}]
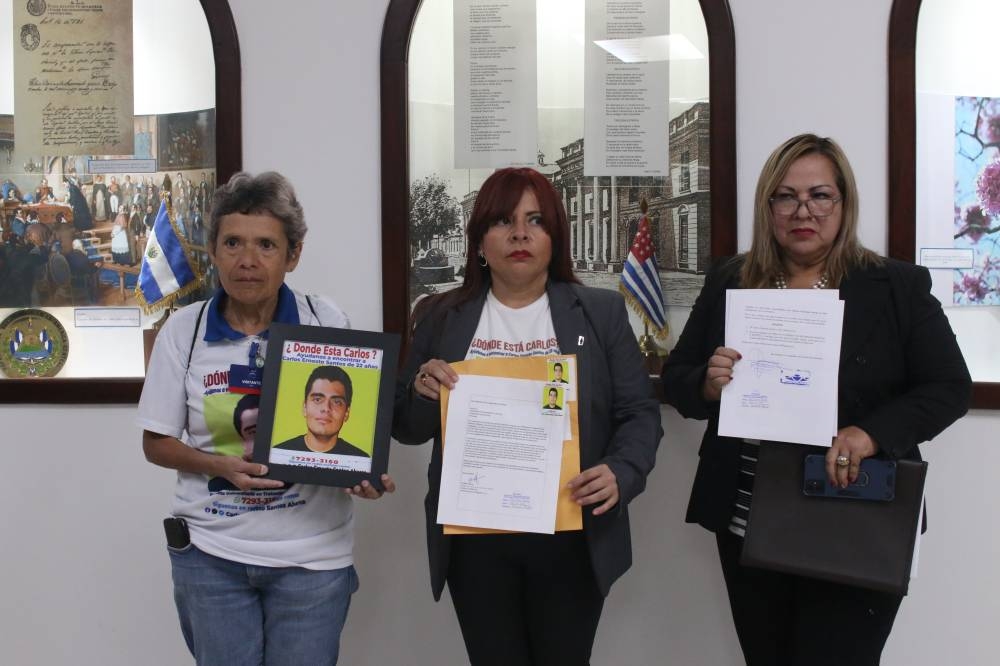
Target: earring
[{"x": 482, "y": 260}]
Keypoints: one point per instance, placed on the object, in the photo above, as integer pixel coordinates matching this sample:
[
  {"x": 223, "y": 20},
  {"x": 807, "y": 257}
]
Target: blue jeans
[{"x": 234, "y": 613}]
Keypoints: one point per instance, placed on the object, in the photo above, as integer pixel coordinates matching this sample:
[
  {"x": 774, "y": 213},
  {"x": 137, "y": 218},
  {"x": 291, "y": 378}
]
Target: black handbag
[{"x": 855, "y": 542}]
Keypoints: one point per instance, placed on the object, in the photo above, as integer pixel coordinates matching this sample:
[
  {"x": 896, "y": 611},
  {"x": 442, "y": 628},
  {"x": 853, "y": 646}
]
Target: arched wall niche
[
  {"x": 706, "y": 183},
  {"x": 944, "y": 100},
  {"x": 174, "y": 83}
]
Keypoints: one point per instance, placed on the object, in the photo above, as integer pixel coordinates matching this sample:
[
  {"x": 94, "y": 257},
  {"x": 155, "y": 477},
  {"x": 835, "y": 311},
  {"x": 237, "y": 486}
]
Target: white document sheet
[
  {"x": 914, "y": 565},
  {"x": 502, "y": 456},
  {"x": 785, "y": 387},
  {"x": 496, "y": 83},
  {"x": 627, "y": 89}
]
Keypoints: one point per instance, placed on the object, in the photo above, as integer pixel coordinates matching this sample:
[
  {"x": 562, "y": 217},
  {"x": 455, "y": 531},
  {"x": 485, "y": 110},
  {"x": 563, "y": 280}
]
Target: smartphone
[
  {"x": 876, "y": 480},
  {"x": 177, "y": 532}
]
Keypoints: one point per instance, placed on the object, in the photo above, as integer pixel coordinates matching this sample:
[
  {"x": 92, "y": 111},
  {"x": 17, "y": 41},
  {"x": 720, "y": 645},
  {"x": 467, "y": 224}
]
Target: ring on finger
[
  {"x": 843, "y": 461},
  {"x": 423, "y": 378}
]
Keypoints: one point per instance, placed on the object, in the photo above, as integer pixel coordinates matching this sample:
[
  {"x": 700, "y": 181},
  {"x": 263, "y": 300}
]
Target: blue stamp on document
[{"x": 795, "y": 377}]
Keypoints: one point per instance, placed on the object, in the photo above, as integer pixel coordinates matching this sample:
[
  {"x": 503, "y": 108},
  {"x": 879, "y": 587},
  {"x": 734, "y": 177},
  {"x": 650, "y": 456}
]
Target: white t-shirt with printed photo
[{"x": 301, "y": 525}]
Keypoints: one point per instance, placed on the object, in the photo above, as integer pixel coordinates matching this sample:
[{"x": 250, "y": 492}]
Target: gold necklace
[{"x": 781, "y": 282}]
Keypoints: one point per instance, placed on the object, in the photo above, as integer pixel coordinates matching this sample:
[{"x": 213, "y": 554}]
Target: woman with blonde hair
[{"x": 902, "y": 380}]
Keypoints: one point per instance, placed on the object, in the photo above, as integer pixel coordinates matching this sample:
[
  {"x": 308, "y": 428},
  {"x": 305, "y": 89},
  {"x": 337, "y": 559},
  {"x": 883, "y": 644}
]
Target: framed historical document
[
  {"x": 326, "y": 405},
  {"x": 90, "y": 145}
]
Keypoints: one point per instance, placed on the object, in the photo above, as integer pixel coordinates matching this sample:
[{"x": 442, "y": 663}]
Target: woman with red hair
[{"x": 533, "y": 598}]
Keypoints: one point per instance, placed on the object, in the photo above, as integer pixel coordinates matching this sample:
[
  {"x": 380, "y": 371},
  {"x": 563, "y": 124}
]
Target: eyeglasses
[{"x": 818, "y": 205}]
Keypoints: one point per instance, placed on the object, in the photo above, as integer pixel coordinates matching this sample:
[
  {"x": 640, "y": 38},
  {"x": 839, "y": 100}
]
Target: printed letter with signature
[
  {"x": 785, "y": 386},
  {"x": 502, "y": 457}
]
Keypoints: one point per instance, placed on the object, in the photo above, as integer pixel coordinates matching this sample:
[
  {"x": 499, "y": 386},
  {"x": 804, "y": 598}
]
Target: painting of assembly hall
[
  {"x": 74, "y": 228},
  {"x": 604, "y": 213}
]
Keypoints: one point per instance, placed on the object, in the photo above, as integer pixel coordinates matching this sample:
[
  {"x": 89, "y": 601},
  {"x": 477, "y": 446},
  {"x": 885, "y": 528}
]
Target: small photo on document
[{"x": 552, "y": 400}]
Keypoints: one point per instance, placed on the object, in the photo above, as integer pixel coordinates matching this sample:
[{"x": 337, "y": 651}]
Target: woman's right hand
[
  {"x": 431, "y": 376},
  {"x": 172, "y": 453},
  {"x": 719, "y": 372},
  {"x": 244, "y": 474}
]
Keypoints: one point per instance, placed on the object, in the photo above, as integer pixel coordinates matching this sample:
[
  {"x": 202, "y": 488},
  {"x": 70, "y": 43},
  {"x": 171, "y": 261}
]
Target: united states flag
[{"x": 641, "y": 280}]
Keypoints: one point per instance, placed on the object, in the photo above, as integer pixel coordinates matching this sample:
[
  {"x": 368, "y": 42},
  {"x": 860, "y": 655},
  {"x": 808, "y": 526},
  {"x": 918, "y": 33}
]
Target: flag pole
[
  {"x": 640, "y": 285},
  {"x": 167, "y": 311}
]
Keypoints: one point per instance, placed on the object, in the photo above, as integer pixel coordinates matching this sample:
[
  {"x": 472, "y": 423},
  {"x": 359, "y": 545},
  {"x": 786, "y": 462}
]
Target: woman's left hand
[
  {"x": 854, "y": 444},
  {"x": 597, "y": 484},
  {"x": 365, "y": 490}
]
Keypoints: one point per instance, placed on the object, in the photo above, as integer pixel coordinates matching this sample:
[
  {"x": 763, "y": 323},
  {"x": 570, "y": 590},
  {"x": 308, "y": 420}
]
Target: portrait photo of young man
[
  {"x": 552, "y": 399},
  {"x": 557, "y": 374},
  {"x": 326, "y": 407}
]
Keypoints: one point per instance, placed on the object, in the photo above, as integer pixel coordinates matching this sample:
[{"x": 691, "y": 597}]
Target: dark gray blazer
[
  {"x": 619, "y": 417},
  {"x": 902, "y": 376}
]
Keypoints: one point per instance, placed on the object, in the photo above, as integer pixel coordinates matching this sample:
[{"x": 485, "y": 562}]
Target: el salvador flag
[{"x": 166, "y": 271}]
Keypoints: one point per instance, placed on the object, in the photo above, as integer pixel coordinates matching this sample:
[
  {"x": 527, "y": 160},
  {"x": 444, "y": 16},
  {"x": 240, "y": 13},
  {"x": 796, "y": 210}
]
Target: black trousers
[
  {"x": 525, "y": 599},
  {"x": 785, "y": 620}
]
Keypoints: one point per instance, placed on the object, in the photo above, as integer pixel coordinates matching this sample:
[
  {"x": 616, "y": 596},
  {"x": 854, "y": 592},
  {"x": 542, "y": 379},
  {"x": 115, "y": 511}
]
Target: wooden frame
[
  {"x": 396, "y": 30},
  {"x": 295, "y": 351},
  {"x": 229, "y": 159},
  {"x": 902, "y": 58}
]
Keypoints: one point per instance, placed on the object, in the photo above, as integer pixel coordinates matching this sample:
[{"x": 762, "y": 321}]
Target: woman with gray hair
[
  {"x": 263, "y": 572},
  {"x": 902, "y": 380}
]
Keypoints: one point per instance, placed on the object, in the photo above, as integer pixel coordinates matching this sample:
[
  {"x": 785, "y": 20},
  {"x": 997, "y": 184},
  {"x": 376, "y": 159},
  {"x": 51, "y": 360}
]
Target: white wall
[{"x": 82, "y": 567}]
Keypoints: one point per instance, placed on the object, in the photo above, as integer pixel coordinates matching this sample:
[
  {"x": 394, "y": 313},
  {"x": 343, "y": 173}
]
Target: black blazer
[
  {"x": 902, "y": 376},
  {"x": 619, "y": 417}
]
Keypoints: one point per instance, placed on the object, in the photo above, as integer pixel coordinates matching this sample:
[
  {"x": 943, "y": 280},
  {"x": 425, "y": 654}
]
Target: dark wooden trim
[
  {"x": 228, "y": 89},
  {"x": 722, "y": 105},
  {"x": 985, "y": 395},
  {"x": 229, "y": 159},
  {"x": 395, "y": 154},
  {"x": 902, "y": 61},
  {"x": 71, "y": 391},
  {"x": 396, "y": 31},
  {"x": 902, "y": 129}
]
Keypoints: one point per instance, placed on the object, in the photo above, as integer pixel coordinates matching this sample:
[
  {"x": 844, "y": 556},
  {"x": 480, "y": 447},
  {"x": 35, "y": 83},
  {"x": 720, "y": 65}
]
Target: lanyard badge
[{"x": 248, "y": 378}]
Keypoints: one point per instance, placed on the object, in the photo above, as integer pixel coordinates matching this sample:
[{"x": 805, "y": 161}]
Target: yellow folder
[{"x": 569, "y": 515}]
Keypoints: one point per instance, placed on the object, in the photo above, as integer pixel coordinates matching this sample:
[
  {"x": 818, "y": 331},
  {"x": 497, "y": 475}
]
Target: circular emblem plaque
[{"x": 34, "y": 344}]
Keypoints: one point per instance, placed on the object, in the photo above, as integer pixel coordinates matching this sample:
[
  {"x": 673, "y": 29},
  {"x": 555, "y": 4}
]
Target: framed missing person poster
[{"x": 326, "y": 405}]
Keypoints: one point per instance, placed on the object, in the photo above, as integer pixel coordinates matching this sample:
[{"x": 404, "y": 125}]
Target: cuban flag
[
  {"x": 641, "y": 280},
  {"x": 167, "y": 272}
]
